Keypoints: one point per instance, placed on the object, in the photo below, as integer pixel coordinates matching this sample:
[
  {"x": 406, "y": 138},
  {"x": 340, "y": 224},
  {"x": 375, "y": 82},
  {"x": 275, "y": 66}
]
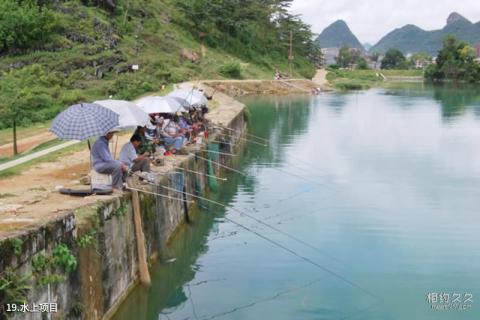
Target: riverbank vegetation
[
  {"x": 456, "y": 62},
  {"x": 345, "y": 79},
  {"x": 54, "y": 53}
]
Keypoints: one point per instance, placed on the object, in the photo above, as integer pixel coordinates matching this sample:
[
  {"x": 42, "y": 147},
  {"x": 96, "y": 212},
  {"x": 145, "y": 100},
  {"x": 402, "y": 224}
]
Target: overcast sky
[{"x": 370, "y": 20}]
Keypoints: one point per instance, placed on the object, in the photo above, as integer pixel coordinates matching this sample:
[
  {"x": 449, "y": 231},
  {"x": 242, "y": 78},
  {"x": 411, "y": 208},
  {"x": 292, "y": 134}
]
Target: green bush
[
  {"x": 24, "y": 24},
  {"x": 231, "y": 70},
  {"x": 14, "y": 288},
  {"x": 362, "y": 64},
  {"x": 69, "y": 97},
  {"x": 63, "y": 257},
  {"x": 352, "y": 86}
]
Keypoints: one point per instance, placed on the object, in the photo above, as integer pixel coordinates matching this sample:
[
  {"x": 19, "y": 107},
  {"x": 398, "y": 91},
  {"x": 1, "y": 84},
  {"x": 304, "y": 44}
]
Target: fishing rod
[
  {"x": 279, "y": 245},
  {"x": 253, "y": 218},
  {"x": 219, "y": 164},
  {"x": 267, "y": 141},
  {"x": 224, "y": 142},
  {"x": 310, "y": 165},
  {"x": 201, "y": 173},
  {"x": 158, "y": 194},
  {"x": 245, "y": 139},
  {"x": 220, "y": 153},
  {"x": 242, "y": 132},
  {"x": 278, "y": 169}
]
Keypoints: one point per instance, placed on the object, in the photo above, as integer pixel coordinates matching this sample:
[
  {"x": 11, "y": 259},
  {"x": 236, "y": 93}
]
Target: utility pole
[{"x": 290, "y": 55}]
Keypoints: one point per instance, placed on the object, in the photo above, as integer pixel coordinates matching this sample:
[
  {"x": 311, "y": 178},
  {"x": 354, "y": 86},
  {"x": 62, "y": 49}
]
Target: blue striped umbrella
[{"x": 83, "y": 121}]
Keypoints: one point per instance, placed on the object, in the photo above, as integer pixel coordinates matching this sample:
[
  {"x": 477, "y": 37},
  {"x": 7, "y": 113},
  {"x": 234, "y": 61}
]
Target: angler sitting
[
  {"x": 103, "y": 161},
  {"x": 130, "y": 158},
  {"x": 146, "y": 145},
  {"x": 170, "y": 135}
]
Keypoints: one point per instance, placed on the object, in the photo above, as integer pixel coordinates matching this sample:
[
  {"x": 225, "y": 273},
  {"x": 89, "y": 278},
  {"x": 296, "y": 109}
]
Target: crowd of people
[{"x": 167, "y": 135}]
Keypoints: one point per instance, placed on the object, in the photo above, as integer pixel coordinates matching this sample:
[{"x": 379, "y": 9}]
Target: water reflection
[
  {"x": 457, "y": 99},
  {"x": 389, "y": 186},
  {"x": 454, "y": 99}
]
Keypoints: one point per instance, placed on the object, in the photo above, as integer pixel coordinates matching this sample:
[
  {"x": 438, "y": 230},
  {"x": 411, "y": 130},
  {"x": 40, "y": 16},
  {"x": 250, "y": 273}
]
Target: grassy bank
[
  {"x": 365, "y": 79},
  {"x": 23, "y": 132},
  {"x": 91, "y": 50},
  {"x": 53, "y": 157}
]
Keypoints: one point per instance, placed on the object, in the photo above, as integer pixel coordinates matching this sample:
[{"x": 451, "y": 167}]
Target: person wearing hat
[{"x": 104, "y": 163}]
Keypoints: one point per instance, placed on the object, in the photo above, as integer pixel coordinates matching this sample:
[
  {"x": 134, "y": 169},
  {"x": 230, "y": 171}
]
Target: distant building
[
  {"x": 374, "y": 64},
  {"x": 329, "y": 55}
]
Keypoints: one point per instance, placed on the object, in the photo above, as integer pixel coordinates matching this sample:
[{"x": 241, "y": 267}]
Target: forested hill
[
  {"x": 338, "y": 34},
  {"x": 56, "y": 53},
  {"x": 412, "y": 39}
]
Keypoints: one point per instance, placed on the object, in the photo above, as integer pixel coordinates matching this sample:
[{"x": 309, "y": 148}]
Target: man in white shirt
[{"x": 130, "y": 158}]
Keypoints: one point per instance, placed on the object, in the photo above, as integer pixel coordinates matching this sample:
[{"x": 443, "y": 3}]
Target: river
[{"x": 364, "y": 205}]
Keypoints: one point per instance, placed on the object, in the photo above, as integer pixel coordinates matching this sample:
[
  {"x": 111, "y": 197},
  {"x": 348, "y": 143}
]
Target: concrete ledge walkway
[{"x": 35, "y": 155}]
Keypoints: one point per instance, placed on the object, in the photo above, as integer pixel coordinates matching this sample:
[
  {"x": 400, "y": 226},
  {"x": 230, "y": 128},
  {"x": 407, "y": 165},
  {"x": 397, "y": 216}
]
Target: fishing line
[
  {"x": 266, "y": 225},
  {"x": 274, "y": 168},
  {"x": 266, "y": 299},
  {"x": 158, "y": 194},
  {"x": 294, "y": 158},
  {"x": 244, "y": 139},
  {"x": 308, "y": 260},
  {"x": 224, "y": 142},
  {"x": 219, "y": 164},
  {"x": 221, "y": 153},
  {"x": 201, "y": 173},
  {"x": 242, "y": 132},
  {"x": 292, "y": 237},
  {"x": 191, "y": 302},
  {"x": 298, "y": 176},
  {"x": 245, "y": 175},
  {"x": 306, "y": 163},
  {"x": 279, "y": 245}
]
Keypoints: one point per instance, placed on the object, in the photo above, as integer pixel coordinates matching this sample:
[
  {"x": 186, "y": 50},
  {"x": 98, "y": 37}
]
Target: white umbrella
[
  {"x": 156, "y": 104},
  {"x": 131, "y": 115},
  {"x": 194, "y": 97}
]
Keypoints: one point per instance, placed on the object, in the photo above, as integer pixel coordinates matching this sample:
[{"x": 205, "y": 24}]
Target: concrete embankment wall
[{"x": 86, "y": 261}]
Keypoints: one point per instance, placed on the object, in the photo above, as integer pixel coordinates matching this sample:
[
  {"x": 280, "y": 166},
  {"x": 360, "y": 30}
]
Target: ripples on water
[{"x": 383, "y": 185}]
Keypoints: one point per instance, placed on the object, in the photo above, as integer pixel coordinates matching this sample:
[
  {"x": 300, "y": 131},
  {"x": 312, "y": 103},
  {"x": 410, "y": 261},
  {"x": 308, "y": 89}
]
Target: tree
[
  {"x": 455, "y": 61},
  {"x": 347, "y": 57},
  {"x": 419, "y": 60},
  {"x": 394, "y": 59},
  {"x": 362, "y": 64},
  {"x": 250, "y": 28},
  {"x": 24, "y": 24},
  {"x": 21, "y": 95}
]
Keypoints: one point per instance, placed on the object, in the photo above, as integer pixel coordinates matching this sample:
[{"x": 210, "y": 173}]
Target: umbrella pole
[
  {"x": 90, "y": 162},
  {"x": 116, "y": 144}
]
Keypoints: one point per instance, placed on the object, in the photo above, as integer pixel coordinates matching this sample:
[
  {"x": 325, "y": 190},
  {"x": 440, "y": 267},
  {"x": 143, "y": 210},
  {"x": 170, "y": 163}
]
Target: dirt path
[
  {"x": 26, "y": 144},
  {"x": 31, "y": 199},
  {"x": 321, "y": 78}
]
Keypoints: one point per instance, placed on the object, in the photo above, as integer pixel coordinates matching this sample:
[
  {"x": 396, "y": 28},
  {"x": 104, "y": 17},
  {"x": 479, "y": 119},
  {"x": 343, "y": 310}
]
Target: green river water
[{"x": 372, "y": 205}]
